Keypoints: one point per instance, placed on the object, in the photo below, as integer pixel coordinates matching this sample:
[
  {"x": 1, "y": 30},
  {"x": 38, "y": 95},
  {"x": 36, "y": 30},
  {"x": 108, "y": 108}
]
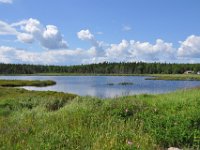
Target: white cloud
[
  {"x": 140, "y": 51},
  {"x": 6, "y": 1},
  {"x": 85, "y": 35},
  {"x": 94, "y": 60},
  {"x": 32, "y": 30},
  {"x": 160, "y": 51},
  {"x": 117, "y": 50},
  {"x": 25, "y": 37},
  {"x": 52, "y": 38},
  {"x": 88, "y": 36},
  {"x": 131, "y": 50},
  {"x": 190, "y": 47},
  {"x": 6, "y": 54},
  {"x": 126, "y": 28},
  {"x": 59, "y": 56},
  {"x": 16, "y": 24},
  {"x": 46, "y": 57},
  {"x": 32, "y": 26},
  {"x": 6, "y": 29}
]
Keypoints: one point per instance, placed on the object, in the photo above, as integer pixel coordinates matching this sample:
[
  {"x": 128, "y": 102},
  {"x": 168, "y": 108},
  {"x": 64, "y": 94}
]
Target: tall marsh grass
[
  {"x": 16, "y": 83},
  {"x": 51, "y": 120}
]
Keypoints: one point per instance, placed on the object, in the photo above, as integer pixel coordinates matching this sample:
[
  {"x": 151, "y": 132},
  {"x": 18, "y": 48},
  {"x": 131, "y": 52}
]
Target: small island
[
  {"x": 120, "y": 83},
  {"x": 18, "y": 83}
]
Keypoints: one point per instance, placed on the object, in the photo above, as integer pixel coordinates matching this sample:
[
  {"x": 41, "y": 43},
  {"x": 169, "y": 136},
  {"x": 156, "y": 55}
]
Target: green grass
[
  {"x": 52, "y": 120},
  {"x": 16, "y": 83},
  {"x": 189, "y": 77}
]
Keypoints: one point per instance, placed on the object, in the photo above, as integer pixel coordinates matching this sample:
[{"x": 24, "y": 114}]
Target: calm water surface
[{"x": 98, "y": 85}]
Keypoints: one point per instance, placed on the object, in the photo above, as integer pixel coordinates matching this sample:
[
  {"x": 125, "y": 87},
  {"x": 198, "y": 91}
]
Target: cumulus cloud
[
  {"x": 6, "y": 54},
  {"x": 31, "y": 26},
  {"x": 190, "y": 47},
  {"x": 6, "y": 1},
  {"x": 85, "y": 35},
  {"x": 98, "y": 46},
  {"x": 133, "y": 50},
  {"x": 32, "y": 30},
  {"x": 6, "y": 29},
  {"x": 26, "y": 38},
  {"x": 117, "y": 50},
  {"x": 52, "y": 38},
  {"x": 140, "y": 51},
  {"x": 60, "y": 56},
  {"x": 49, "y": 37},
  {"x": 160, "y": 51},
  {"x": 130, "y": 50}
]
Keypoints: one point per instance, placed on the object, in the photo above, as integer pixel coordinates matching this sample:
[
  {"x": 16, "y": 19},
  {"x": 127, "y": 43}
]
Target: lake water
[{"x": 98, "y": 85}]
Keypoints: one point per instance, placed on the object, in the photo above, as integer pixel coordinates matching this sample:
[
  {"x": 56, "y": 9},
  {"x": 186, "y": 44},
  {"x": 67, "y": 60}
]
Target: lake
[{"x": 99, "y": 85}]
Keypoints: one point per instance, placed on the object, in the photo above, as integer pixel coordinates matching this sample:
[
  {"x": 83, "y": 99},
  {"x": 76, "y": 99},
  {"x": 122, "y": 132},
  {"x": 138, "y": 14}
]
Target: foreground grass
[
  {"x": 51, "y": 120},
  {"x": 16, "y": 83}
]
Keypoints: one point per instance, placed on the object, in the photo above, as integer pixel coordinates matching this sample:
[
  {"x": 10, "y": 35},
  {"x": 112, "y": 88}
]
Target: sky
[{"x": 72, "y": 32}]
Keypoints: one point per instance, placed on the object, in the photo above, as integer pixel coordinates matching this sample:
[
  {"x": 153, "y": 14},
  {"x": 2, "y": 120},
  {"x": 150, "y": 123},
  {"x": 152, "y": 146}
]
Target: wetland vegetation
[
  {"x": 54, "y": 120},
  {"x": 181, "y": 77},
  {"x": 17, "y": 83}
]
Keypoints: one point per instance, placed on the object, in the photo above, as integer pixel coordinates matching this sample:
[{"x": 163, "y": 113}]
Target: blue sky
[{"x": 67, "y": 32}]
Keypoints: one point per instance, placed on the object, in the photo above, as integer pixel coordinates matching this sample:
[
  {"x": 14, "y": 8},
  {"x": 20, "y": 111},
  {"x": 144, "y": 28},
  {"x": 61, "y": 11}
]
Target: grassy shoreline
[
  {"x": 55, "y": 120},
  {"x": 17, "y": 83},
  {"x": 149, "y": 76},
  {"x": 182, "y": 77},
  {"x": 72, "y": 74}
]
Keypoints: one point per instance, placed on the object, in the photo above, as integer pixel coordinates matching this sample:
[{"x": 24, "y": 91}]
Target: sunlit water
[{"x": 98, "y": 85}]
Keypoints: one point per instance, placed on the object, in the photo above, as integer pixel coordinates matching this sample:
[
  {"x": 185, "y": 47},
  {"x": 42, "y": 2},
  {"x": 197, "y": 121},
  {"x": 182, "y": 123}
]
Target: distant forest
[{"x": 101, "y": 68}]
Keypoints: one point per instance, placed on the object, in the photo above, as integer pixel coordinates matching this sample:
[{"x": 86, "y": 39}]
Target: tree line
[{"x": 102, "y": 68}]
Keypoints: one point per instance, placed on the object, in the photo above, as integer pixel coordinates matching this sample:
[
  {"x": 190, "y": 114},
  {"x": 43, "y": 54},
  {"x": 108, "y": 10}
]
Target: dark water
[{"x": 98, "y": 85}]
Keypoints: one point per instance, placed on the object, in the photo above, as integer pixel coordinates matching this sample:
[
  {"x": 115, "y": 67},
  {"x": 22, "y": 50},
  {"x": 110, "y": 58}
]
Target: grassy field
[
  {"x": 16, "y": 83},
  {"x": 52, "y": 120}
]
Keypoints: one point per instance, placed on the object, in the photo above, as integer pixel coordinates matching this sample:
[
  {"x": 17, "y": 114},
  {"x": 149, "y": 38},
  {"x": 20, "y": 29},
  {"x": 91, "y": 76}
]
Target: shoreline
[{"x": 174, "y": 77}]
